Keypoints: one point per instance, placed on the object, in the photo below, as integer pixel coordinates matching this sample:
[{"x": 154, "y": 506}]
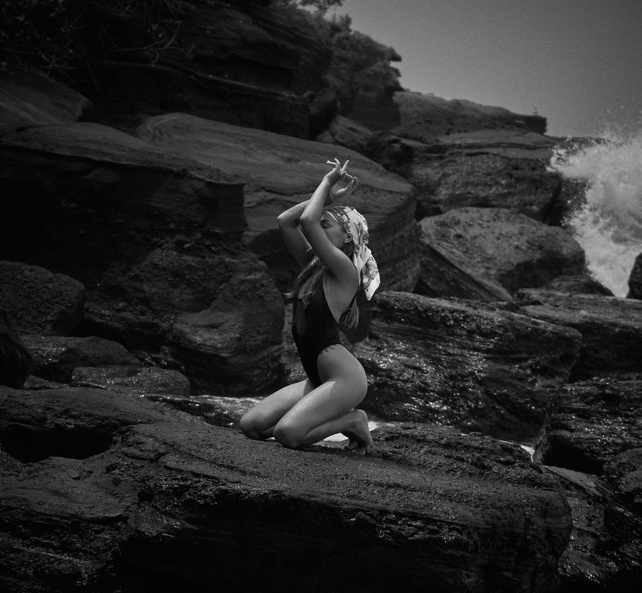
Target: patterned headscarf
[{"x": 356, "y": 226}]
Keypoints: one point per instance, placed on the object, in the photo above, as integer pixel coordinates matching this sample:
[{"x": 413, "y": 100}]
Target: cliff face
[{"x": 251, "y": 64}]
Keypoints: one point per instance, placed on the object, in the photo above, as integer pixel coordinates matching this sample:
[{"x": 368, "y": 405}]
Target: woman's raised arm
[
  {"x": 290, "y": 222},
  {"x": 339, "y": 265}
]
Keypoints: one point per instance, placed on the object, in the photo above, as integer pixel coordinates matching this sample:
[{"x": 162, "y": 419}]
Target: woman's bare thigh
[
  {"x": 336, "y": 363},
  {"x": 344, "y": 387},
  {"x": 266, "y": 413}
]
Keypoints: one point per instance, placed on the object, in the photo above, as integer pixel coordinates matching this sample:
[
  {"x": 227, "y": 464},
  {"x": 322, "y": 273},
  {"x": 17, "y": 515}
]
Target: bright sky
[{"x": 576, "y": 62}]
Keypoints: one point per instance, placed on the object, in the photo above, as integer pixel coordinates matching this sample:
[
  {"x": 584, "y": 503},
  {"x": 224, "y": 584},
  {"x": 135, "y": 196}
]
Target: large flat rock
[{"x": 174, "y": 502}]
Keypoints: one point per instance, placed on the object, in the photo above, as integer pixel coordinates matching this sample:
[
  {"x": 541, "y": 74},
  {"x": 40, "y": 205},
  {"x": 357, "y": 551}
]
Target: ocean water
[{"x": 608, "y": 225}]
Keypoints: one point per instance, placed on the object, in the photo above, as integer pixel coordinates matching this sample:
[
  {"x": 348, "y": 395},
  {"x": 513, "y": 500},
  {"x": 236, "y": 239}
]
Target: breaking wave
[{"x": 608, "y": 223}]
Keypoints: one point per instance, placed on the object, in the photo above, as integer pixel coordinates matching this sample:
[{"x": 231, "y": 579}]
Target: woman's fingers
[{"x": 337, "y": 164}]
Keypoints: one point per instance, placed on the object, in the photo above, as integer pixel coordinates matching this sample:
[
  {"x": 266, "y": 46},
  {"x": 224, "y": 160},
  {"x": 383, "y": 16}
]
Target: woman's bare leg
[
  {"x": 329, "y": 409},
  {"x": 259, "y": 421}
]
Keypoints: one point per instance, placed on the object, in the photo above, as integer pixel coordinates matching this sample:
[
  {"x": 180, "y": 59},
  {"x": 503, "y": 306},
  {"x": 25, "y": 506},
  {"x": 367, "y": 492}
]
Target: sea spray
[{"x": 608, "y": 222}]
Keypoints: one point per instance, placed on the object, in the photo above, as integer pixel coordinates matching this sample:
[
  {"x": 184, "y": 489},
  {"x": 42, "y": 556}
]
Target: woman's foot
[{"x": 360, "y": 440}]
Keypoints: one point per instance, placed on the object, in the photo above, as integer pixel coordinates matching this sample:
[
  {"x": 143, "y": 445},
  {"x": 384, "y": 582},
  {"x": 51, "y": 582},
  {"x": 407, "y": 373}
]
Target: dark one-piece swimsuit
[{"x": 314, "y": 329}]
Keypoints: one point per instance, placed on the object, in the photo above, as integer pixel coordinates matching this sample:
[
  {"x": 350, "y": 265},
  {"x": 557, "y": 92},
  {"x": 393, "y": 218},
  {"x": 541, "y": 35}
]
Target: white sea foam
[{"x": 608, "y": 225}]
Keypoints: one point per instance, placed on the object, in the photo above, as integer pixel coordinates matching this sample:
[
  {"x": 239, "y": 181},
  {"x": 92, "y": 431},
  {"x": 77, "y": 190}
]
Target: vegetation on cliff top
[{"x": 63, "y": 37}]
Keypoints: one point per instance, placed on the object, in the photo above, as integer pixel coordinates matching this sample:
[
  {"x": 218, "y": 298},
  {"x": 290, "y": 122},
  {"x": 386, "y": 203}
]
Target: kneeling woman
[{"x": 331, "y": 246}]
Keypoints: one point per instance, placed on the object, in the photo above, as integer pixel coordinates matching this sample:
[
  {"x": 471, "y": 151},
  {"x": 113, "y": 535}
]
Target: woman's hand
[{"x": 338, "y": 174}]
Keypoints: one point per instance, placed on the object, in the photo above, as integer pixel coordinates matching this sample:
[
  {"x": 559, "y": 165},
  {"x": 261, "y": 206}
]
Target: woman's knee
[
  {"x": 288, "y": 435},
  {"x": 250, "y": 426}
]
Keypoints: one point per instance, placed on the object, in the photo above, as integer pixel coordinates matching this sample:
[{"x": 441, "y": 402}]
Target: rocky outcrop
[
  {"x": 464, "y": 364},
  {"x": 158, "y": 499},
  {"x": 280, "y": 171},
  {"x": 39, "y": 301},
  {"x": 381, "y": 104},
  {"x": 484, "y": 168},
  {"x": 424, "y": 116},
  {"x": 155, "y": 238},
  {"x": 31, "y": 99},
  {"x": 238, "y": 62},
  {"x": 507, "y": 247},
  {"x": 611, "y": 329}
]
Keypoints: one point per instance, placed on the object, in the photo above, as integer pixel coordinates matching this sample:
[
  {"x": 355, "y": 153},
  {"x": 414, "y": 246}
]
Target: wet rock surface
[
  {"x": 463, "y": 364},
  {"x": 172, "y": 499},
  {"x": 591, "y": 422},
  {"x": 610, "y": 328}
]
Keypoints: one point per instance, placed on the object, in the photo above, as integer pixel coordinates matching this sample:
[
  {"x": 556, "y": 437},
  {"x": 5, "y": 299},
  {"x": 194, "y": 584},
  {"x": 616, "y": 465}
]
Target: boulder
[
  {"x": 133, "y": 379},
  {"x": 31, "y": 99},
  {"x": 464, "y": 364},
  {"x": 200, "y": 318},
  {"x": 175, "y": 503},
  {"x": 443, "y": 275},
  {"x": 55, "y": 358},
  {"x": 231, "y": 347},
  {"x": 505, "y": 246},
  {"x": 611, "y": 328},
  {"x": 589, "y": 423},
  {"x": 635, "y": 280},
  {"x": 38, "y": 301},
  {"x": 280, "y": 171}
]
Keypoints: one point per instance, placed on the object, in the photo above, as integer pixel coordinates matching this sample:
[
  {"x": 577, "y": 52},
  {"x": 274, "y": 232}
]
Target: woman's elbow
[
  {"x": 286, "y": 222},
  {"x": 306, "y": 221}
]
